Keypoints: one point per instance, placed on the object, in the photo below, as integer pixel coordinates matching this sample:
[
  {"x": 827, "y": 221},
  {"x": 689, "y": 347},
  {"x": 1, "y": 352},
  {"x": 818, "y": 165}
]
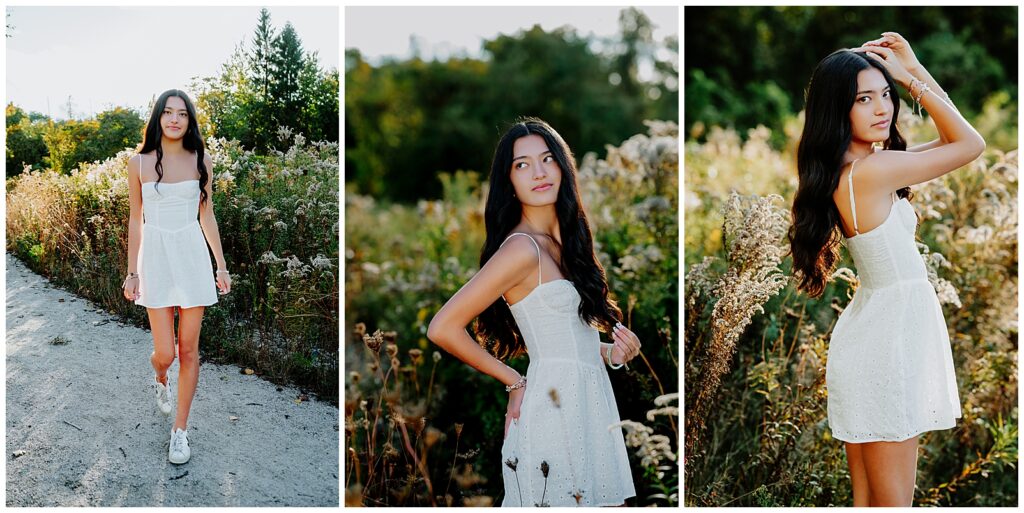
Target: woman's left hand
[
  {"x": 626, "y": 344},
  {"x": 224, "y": 282},
  {"x": 899, "y": 46}
]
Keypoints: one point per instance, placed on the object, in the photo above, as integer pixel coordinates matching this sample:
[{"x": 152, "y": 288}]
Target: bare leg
[
  {"x": 190, "y": 321},
  {"x": 858, "y": 475},
  {"x": 161, "y": 323},
  {"x": 891, "y": 470}
]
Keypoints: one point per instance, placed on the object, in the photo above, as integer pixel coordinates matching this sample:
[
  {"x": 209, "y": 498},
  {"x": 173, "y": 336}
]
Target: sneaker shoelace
[{"x": 178, "y": 442}]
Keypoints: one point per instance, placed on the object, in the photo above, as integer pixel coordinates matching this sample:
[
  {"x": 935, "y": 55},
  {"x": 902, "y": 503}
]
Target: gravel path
[{"x": 83, "y": 428}]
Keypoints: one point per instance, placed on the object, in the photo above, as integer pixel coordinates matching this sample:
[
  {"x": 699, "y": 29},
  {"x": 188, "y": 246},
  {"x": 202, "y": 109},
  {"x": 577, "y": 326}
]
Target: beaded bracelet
[{"x": 517, "y": 385}]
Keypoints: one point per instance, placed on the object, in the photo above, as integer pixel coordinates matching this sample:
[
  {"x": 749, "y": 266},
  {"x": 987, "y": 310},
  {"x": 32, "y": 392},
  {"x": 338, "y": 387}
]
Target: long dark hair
[
  {"x": 192, "y": 141},
  {"x": 495, "y": 328},
  {"x": 814, "y": 234}
]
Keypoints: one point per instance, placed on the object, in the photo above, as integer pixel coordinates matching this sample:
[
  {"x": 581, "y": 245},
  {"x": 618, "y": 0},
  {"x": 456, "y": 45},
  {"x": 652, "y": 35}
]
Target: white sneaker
[
  {"x": 179, "y": 452},
  {"x": 163, "y": 397}
]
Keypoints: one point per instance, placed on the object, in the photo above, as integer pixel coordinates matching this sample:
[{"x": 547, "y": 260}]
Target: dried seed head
[
  {"x": 458, "y": 429},
  {"x": 389, "y": 451},
  {"x": 432, "y": 437},
  {"x": 373, "y": 341},
  {"x": 544, "y": 468},
  {"x": 392, "y": 349},
  {"x": 354, "y": 377},
  {"x": 390, "y": 336},
  {"x": 437, "y": 356},
  {"x": 511, "y": 463},
  {"x": 360, "y": 330},
  {"x": 416, "y": 356}
]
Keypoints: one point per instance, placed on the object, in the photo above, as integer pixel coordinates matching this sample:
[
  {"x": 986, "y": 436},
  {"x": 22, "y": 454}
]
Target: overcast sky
[
  {"x": 440, "y": 32},
  {"x": 124, "y": 56}
]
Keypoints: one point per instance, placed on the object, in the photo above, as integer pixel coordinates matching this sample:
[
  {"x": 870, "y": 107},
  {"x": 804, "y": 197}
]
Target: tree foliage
[
  {"x": 749, "y": 65},
  {"x": 408, "y": 120},
  {"x": 270, "y": 83}
]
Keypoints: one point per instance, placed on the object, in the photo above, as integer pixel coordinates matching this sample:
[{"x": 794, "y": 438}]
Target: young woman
[
  {"x": 540, "y": 289},
  {"x": 168, "y": 262},
  {"x": 889, "y": 373}
]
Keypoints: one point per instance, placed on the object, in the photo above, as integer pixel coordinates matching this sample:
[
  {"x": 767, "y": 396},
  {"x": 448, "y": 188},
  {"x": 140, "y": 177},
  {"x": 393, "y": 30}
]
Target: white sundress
[
  {"x": 585, "y": 459},
  {"x": 174, "y": 261},
  {"x": 889, "y": 373}
]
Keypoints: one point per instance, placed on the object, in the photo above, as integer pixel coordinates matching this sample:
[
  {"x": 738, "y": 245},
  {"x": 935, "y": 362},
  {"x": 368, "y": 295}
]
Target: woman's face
[
  {"x": 535, "y": 173},
  {"x": 174, "y": 119},
  {"x": 872, "y": 109}
]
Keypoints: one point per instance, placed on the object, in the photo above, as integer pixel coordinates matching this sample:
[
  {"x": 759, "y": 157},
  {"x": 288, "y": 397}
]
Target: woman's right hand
[
  {"x": 515, "y": 402},
  {"x": 899, "y": 46},
  {"x": 131, "y": 289}
]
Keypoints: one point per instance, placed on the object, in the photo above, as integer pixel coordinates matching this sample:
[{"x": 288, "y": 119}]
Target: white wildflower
[
  {"x": 321, "y": 262},
  {"x": 284, "y": 133},
  {"x": 270, "y": 258}
]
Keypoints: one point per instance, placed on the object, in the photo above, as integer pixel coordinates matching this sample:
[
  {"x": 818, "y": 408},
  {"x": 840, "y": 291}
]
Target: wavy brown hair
[
  {"x": 495, "y": 327},
  {"x": 815, "y": 234},
  {"x": 192, "y": 141}
]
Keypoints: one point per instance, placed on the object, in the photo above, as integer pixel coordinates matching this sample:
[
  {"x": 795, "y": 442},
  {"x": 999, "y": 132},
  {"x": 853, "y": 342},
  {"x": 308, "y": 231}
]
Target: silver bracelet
[
  {"x": 517, "y": 385},
  {"x": 608, "y": 360},
  {"x": 130, "y": 276}
]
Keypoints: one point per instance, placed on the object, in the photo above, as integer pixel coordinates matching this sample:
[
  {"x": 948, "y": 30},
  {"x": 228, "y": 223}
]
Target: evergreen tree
[
  {"x": 258, "y": 110},
  {"x": 287, "y": 63},
  {"x": 261, "y": 54}
]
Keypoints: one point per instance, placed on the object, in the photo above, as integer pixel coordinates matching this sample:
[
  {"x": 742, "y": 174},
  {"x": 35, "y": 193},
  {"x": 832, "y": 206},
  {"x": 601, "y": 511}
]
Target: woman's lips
[
  {"x": 542, "y": 187},
  {"x": 882, "y": 124}
]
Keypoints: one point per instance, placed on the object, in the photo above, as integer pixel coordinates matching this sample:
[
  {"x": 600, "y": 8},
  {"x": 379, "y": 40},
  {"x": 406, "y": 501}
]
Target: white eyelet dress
[
  {"x": 583, "y": 457},
  {"x": 174, "y": 262},
  {"x": 889, "y": 373}
]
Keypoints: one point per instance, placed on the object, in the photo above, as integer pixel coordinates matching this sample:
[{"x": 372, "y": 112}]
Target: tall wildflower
[{"x": 754, "y": 230}]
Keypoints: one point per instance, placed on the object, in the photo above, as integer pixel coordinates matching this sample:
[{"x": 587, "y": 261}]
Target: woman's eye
[
  {"x": 519, "y": 165},
  {"x": 549, "y": 157},
  {"x": 886, "y": 94}
]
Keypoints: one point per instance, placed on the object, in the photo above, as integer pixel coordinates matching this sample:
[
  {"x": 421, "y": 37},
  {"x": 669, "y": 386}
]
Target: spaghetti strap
[
  {"x": 538, "y": 253},
  {"x": 853, "y": 203}
]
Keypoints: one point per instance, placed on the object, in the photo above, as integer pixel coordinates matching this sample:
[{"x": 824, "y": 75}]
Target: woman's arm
[
  {"x": 512, "y": 263},
  {"x": 134, "y": 222},
  {"x": 920, "y": 73},
  {"x": 905, "y": 54},
  {"x": 893, "y": 170},
  {"x": 208, "y": 220}
]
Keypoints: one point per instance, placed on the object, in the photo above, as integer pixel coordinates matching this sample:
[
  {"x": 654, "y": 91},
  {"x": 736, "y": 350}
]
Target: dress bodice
[
  {"x": 550, "y": 313},
  {"x": 170, "y": 206},
  {"x": 888, "y": 253}
]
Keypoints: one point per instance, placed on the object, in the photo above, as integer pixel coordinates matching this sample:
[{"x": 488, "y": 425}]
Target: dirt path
[{"x": 84, "y": 425}]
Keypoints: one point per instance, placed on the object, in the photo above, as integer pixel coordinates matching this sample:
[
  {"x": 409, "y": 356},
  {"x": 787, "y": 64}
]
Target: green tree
[
  {"x": 65, "y": 143},
  {"x": 750, "y": 65},
  {"x": 119, "y": 128},
  {"x": 25, "y": 145},
  {"x": 287, "y": 65},
  {"x": 270, "y": 83},
  {"x": 406, "y": 121}
]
